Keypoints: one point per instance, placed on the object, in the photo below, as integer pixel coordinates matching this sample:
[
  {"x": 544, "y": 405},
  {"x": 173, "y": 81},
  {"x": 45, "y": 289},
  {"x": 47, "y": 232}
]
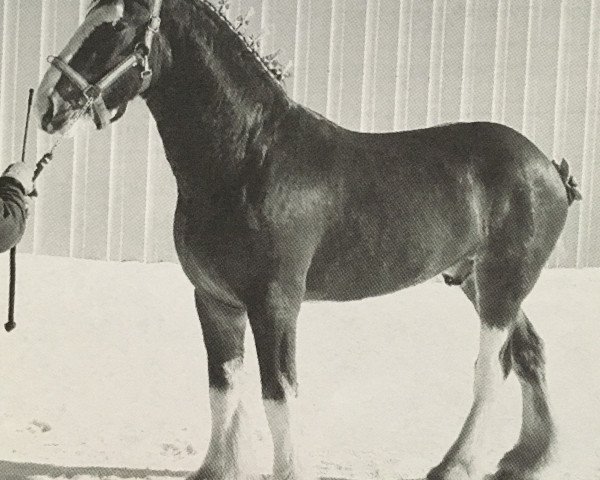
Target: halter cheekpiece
[{"x": 93, "y": 93}]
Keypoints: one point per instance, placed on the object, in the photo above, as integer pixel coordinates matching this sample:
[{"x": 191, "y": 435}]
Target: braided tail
[{"x": 573, "y": 192}]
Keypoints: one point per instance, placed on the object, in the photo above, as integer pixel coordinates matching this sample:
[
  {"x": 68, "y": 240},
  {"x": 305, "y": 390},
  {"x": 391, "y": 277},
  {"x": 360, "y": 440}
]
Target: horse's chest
[{"x": 216, "y": 255}]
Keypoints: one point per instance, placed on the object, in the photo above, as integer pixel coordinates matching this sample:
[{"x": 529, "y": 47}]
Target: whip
[
  {"x": 10, "y": 325},
  {"x": 46, "y": 158}
]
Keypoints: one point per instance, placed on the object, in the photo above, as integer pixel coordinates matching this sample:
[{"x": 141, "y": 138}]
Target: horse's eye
[{"x": 119, "y": 26}]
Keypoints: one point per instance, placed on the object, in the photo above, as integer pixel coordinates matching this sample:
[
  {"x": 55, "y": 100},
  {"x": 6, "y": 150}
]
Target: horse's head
[{"x": 106, "y": 63}]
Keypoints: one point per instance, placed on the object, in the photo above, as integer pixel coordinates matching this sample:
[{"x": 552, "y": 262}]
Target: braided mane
[{"x": 269, "y": 62}]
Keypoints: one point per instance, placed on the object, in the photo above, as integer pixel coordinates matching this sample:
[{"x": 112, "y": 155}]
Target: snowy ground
[{"x": 107, "y": 369}]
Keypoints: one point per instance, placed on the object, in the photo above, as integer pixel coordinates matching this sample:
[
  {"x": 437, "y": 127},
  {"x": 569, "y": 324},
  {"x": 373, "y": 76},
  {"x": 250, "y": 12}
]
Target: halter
[{"x": 93, "y": 93}]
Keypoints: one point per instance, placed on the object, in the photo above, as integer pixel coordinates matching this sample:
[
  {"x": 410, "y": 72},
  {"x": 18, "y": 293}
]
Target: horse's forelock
[{"x": 96, "y": 3}]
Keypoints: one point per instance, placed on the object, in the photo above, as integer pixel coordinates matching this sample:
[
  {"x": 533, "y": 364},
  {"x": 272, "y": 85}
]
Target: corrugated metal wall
[{"x": 373, "y": 65}]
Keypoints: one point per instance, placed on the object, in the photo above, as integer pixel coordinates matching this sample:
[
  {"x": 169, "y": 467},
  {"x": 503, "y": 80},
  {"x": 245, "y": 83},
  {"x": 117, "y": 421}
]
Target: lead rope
[{"x": 46, "y": 158}]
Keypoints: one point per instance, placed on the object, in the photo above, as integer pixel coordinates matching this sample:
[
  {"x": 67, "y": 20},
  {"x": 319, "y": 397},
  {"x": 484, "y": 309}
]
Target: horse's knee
[
  {"x": 223, "y": 329},
  {"x": 273, "y": 321}
]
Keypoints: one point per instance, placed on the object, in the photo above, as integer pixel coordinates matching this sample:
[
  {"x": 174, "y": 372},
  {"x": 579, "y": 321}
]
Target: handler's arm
[
  {"x": 15, "y": 183},
  {"x": 13, "y": 212}
]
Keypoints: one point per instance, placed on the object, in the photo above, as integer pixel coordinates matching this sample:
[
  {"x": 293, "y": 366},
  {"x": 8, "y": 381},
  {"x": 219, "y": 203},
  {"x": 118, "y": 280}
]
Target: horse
[{"x": 277, "y": 205}]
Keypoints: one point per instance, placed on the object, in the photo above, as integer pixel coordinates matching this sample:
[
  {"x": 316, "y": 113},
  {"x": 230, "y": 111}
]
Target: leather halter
[{"x": 93, "y": 93}]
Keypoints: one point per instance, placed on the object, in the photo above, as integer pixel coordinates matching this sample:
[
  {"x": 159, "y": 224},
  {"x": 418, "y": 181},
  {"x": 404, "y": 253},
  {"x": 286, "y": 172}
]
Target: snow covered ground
[{"x": 106, "y": 369}]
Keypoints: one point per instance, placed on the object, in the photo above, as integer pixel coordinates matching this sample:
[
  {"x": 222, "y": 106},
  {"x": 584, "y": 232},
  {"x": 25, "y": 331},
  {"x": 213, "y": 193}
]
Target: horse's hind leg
[
  {"x": 537, "y": 439},
  {"x": 497, "y": 289},
  {"x": 223, "y": 328},
  {"x": 460, "y": 463}
]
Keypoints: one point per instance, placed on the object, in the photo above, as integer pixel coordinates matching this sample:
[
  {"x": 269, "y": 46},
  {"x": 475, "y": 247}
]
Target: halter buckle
[
  {"x": 146, "y": 74},
  {"x": 146, "y": 64},
  {"x": 154, "y": 24},
  {"x": 92, "y": 92}
]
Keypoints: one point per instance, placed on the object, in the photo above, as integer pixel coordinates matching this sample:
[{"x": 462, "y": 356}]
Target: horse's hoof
[
  {"x": 516, "y": 474},
  {"x": 523, "y": 463},
  {"x": 513, "y": 475},
  {"x": 452, "y": 471},
  {"x": 207, "y": 474},
  {"x": 202, "y": 476},
  {"x": 508, "y": 471}
]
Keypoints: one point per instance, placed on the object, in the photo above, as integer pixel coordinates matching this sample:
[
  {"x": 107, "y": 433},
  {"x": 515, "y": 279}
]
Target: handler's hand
[
  {"x": 22, "y": 173},
  {"x": 29, "y": 200}
]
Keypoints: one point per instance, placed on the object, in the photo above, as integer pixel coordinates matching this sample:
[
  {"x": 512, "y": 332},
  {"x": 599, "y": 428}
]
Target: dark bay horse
[{"x": 277, "y": 205}]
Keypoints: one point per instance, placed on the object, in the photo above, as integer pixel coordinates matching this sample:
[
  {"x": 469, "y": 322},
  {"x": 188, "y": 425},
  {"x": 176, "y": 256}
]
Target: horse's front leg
[
  {"x": 273, "y": 314},
  {"x": 223, "y": 328}
]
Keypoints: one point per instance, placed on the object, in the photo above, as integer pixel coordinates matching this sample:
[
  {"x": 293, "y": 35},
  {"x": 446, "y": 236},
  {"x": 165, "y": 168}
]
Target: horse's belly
[
  {"x": 355, "y": 282},
  {"x": 360, "y": 267}
]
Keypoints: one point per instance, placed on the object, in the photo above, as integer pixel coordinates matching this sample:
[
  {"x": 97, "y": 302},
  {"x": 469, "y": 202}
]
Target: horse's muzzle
[{"x": 57, "y": 116}]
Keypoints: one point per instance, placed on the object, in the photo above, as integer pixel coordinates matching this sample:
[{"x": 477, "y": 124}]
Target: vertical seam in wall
[
  {"x": 376, "y": 68},
  {"x": 367, "y": 61},
  {"x": 13, "y": 140},
  {"x": 297, "y": 52},
  {"x": 408, "y": 62},
  {"x": 505, "y": 63},
  {"x": 526, "y": 118},
  {"x": 466, "y": 93},
  {"x": 440, "y": 85},
  {"x": 561, "y": 81},
  {"x": 113, "y": 188},
  {"x": 149, "y": 192},
  {"x": 498, "y": 54},
  {"x": 435, "y": 62},
  {"x": 332, "y": 55},
  {"x": 307, "y": 52},
  {"x": 340, "y": 92}
]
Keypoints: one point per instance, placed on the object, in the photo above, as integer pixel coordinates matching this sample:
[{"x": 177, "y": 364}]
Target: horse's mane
[{"x": 252, "y": 43}]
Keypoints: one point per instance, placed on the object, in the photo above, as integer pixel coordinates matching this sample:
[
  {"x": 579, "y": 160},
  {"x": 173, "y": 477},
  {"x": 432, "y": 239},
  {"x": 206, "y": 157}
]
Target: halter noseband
[{"x": 93, "y": 93}]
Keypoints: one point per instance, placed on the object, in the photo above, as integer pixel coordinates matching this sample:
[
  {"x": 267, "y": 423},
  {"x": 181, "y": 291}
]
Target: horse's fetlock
[{"x": 527, "y": 353}]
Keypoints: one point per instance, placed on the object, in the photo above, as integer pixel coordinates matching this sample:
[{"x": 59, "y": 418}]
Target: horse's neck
[{"x": 214, "y": 106}]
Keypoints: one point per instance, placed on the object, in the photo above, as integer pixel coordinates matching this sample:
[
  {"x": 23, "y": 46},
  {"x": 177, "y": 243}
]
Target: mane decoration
[{"x": 252, "y": 42}]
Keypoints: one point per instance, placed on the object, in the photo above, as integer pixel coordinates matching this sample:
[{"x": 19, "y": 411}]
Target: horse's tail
[{"x": 573, "y": 192}]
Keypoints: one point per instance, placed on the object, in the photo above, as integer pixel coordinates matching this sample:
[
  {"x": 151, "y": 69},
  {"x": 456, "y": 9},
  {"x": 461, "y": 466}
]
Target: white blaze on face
[{"x": 109, "y": 13}]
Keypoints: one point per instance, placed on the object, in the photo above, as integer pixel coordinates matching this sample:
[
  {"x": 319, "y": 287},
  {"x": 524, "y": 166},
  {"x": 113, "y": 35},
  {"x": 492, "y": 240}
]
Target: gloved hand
[{"x": 22, "y": 173}]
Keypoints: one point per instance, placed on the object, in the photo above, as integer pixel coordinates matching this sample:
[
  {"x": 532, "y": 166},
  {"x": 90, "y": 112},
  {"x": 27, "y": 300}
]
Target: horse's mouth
[
  {"x": 56, "y": 117},
  {"x": 61, "y": 115}
]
